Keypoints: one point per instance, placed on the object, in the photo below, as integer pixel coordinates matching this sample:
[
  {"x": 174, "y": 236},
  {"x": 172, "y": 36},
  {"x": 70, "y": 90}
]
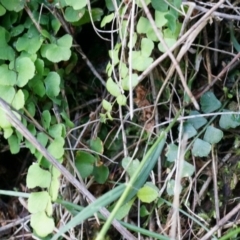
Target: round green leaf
[
  {"x": 38, "y": 201},
  {"x": 147, "y": 194},
  {"x": 52, "y": 84},
  {"x": 213, "y": 135},
  {"x": 72, "y": 15},
  {"x": 13, "y": 5},
  {"x": 113, "y": 88},
  {"x": 8, "y": 77},
  {"x": 54, "y": 188},
  {"x": 187, "y": 170},
  {"x": 160, "y": 19},
  {"x": 84, "y": 163},
  {"x": 227, "y": 121},
  {"x": 126, "y": 82},
  {"x": 139, "y": 62},
  {"x": 169, "y": 41},
  {"x": 160, "y": 5},
  {"x": 172, "y": 152},
  {"x": 143, "y": 25},
  {"x": 146, "y": 47},
  {"x": 107, "y": 19},
  {"x": 38, "y": 177},
  {"x": 25, "y": 69},
  {"x": 76, "y": 4},
  {"x": 122, "y": 100},
  {"x": 7, "y": 93},
  {"x": 130, "y": 165},
  {"x": 56, "y": 147},
  {"x": 65, "y": 41},
  {"x": 209, "y": 103},
  {"x": 42, "y": 224},
  {"x": 18, "y": 100},
  {"x": 14, "y": 144},
  {"x": 96, "y": 145},
  {"x": 101, "y": 174},
  {"x": 189, "y": 130},
  {"x": 46, "y": 119},
  {"x": 201, "y": 148},
  {"x": 56, "y": 53},
  {"x": 107, "y": 105},
  {"x": 196, "y": 122},
  {"x": 2, "y": 10}
]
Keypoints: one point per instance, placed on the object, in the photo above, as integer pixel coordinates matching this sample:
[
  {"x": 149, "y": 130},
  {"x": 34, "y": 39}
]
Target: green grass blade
[{"x": 91, "y": 209}]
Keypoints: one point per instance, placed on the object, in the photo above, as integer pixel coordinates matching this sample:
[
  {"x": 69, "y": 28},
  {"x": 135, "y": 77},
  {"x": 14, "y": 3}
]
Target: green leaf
[
  {"x": 46, "y": 119},
  {"x": 7, "y": 93},
  {"x": 100, "y": 174},
  {"x": 52, "y": 84},
  {"x": 13, "y": 5},
  {"x": 147, "y": 193},
  {"x": 139, "y": 4},
  {"x": 2, "y": 10},
  {"x": 54, "y": 188},
  {"x": 209, "y": 103},
  {"x": 42, "y": 224},
  {"x": 29, "y": 44},
  {"x": 201, "y": 148},
  {"x": 146, "y": 47},
  {"x": 37, "y": 86},
  {"x": 76, "y": 4},
  {"x": 130, "y": 165},
  {"x": 227, "y": 121},
  {"x": 124, "y": 210},
  {"x": 107, "y": 19},
  {"x": 4, "y": 123},
  {"x": 8, "y": 77},
  {"x": 55, "y": 53},
  {"x": 172, "y": 152},
  {"x": 143, "y": 211},
  {"x": 134, "y": 40},
  {"x": 213, "y": 135},
  {"x": 107, "y": 105},
  {"x": 139, "y": 62},
  {"x": 84, "y": 163},
  {"x": 14, "y": 144},
  {"x": 57, "y": 130},
  {"x": 18, "y": 100},
  {"x": 170, "y": 187},
  {"x": 96, "y": 14},
  {"x": 113, "y": 88},
  {"x": 17, "y": 30},
  {"x": 96, "y": 145},
  {"x": 38, "y": 201},
  {"x": 56, "y": 147},
  {"x": 25, "y": 69},
  {"x": 189, "y": 130},
  {"x": 160, "y": 5},
  {"x": 37, "y": 177},
  {"x": 169, "y": 41},
  {"x": 187, "y": 170},
  {"x": 65, "y": 41},
  {"x": 143, "y": 25},
  {"x": 122, "y": 100},
  {"x": 160, "y": 19},
  {"x": 7, "y": 131},
  {"x": 196, "y": 122},
  {"x": 72, "y": 15},
  {"x": 56, "y": 25},
  {"x": 171, "y": 22},
  {"x": 126, "y": 82},
  {"x": 113, "y": 54}
]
